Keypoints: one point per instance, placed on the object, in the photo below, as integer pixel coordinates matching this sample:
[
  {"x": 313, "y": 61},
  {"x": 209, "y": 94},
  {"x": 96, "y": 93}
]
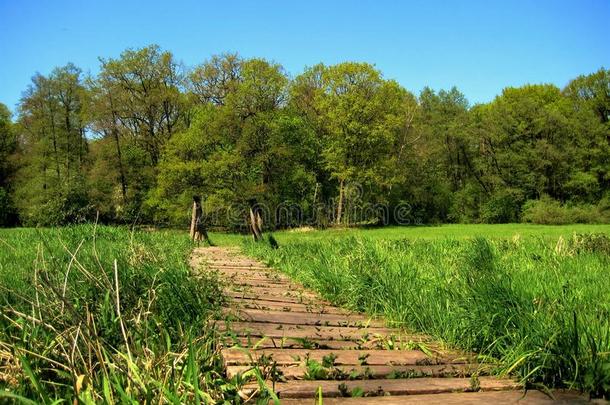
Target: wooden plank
[
  {"x": 278, "y": 291},
  {"x": 296, "y": 343},
  {"x": 520, "y": 397},
  {"x": 238, "y": 275},
  {"x": 292, "y": 307},
  {"x": 298, "y": 318},
  {"x": 273, "y": 297},
  {"x": 235, "y": 263},
  {"x": 282, "y": 356},
  {"x": 307, "y": 331},
  {"x": 254, "y": 282},
  {"x": 299, "y": 371},
  {"x": 412, "y": 386},
  {"x": 341, "y": 357}
]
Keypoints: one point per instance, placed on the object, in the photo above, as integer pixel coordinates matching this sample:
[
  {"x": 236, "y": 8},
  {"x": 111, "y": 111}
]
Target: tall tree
[
  {"x": 146, "y": 88},
  {"x": 53, "y": 148},
  {"x": 7, "y": 148},
  {"x": 360, "y": 115},
  {"x": 242, "y": 146}
]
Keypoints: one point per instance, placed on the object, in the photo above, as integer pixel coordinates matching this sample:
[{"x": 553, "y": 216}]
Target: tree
[
  {"x": 138, "y": 105},
  {"x": 242, "y": 145},
  {"x": 594, "y": 91},
  {"x": 146, "y": 88},
  {"x": 359, "y": 115},
  {"x": 218, "y": 77},
  {"x": 53, "y": 149},
  {"x": 590, "y": 94},
  {"x": 7, "y": 148}
]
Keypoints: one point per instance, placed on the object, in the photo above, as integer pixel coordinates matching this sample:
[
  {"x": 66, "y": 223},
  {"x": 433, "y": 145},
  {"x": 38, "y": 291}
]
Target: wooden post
[
  {"x": 256, "y": 221},
  {"x": 198, "y": 230},
  {"x": 193, "y": 218}
]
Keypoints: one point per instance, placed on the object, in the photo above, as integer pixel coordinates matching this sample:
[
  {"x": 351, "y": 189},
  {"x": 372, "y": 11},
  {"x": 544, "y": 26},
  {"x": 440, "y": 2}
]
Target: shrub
[
  {"x": 502, "y": 207},
  {"x": 465, "y": 207},
  {"x": 548, "y": 211}
]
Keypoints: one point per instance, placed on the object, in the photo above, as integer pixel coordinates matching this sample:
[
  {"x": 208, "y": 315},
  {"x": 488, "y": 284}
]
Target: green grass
[
  {"x": 67, "y": 332},
  {"x": 534, "y": 299},
  {"x": 511, "y": 292},
  {"x": 455, "y": 231}
]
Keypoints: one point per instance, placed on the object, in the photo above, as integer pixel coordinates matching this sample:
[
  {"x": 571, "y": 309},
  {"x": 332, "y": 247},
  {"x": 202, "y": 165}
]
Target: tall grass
[
  {"x": 106, "y": 315},
  {"x": 540, "y": 309}
]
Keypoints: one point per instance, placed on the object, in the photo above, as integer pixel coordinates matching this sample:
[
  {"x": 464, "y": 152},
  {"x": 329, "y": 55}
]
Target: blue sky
[{"x": 478, "y": 46}]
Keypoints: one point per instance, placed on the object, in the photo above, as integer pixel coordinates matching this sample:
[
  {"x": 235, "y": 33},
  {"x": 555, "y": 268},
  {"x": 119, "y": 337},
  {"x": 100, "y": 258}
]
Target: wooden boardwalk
[{"x": 302, "y": 344}]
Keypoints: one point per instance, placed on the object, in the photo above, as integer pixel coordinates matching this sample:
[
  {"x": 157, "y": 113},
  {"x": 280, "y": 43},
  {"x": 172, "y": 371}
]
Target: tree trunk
[
  {"x": 340, "y": 204},
  {"x": 115, "y": 132},
  {"x": 313, "y": 205}
]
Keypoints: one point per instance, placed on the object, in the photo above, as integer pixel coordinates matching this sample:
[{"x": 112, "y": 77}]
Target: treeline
[{"x": 138, "y": 140}]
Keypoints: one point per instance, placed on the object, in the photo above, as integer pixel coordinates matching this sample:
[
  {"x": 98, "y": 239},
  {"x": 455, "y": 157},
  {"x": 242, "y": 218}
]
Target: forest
[{"x": 336, "y": 144}]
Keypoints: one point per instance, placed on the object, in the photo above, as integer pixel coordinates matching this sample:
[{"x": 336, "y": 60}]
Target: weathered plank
[
  {"x": 299, "y": 318},
  {"x": 290, "y": 307},
  {"x": 278, "y": 291},
  {"x": 256, "y": 282},
  {"x": 411, "y": 386},
  {"x": 239, "y": 279},
  {"x": 307, "y": 331},
  {"x": 241, "y": 263},
  {"x": 338, "y": 357},
  {"x": 466, "y": 398},
  {"x": 298, "y": 343},
  {"x": 273, "y": 297},
  {"x": 300, "y": 371}
]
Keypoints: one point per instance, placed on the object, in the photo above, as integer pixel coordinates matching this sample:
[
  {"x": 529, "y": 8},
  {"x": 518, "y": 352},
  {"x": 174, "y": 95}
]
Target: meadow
[
  {"x": 106, "y": 314},
  {"x": 532, "y": 300}
]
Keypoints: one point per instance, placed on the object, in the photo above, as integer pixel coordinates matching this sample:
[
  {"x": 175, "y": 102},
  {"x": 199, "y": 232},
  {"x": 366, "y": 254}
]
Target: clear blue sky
[{"x": 478, "y": 46}]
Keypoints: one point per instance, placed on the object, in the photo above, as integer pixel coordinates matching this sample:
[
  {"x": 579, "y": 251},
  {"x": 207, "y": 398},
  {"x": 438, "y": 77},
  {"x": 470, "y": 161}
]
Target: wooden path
[{"x": 302, "y": 344}]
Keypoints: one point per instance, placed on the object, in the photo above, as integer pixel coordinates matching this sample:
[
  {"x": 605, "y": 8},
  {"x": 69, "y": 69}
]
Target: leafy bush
[
  {"x": 503, "y": 206},
  {"x": 466, "y": 205},
  {"x": 551, "y": 212}
]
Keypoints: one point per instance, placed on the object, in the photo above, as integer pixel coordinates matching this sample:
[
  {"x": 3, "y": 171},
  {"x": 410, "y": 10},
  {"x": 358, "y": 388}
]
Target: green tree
[
  {"x": 594, "y": 91},
  {"x": 243, "y": 145},
  {"x": 53, "y": 149},
  {"x": 7, "y": 149},
  {"x": 590, "y": 94},
  {"x": 146, "y": 88},
  {"x": 444, "y": 190},
  {"x": 358, "y": 115},
  {"x": 139, "y": 103}
]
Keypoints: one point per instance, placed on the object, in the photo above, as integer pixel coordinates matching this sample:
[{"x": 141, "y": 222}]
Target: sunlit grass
[
  {"x": 106, "y": 315},
  {"x": 535, "y": 299}
]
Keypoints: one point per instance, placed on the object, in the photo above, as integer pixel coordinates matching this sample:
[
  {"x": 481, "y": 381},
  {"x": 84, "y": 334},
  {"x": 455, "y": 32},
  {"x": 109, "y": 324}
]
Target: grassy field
[
  {"x": 533, "y": 299},
  {"x": 455, "y": 231},
  {"x": 104, "y": 314}
]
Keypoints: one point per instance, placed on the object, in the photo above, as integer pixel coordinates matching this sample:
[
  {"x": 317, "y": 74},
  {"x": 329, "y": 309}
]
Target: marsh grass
[
  {"x": 537, "y": 307},
  {"x": 106, "y": 315}
]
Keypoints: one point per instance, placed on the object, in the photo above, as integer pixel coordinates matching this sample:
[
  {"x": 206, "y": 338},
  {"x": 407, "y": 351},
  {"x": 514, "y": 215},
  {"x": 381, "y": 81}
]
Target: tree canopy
[{"x": 335, "y": 144}]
